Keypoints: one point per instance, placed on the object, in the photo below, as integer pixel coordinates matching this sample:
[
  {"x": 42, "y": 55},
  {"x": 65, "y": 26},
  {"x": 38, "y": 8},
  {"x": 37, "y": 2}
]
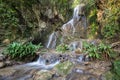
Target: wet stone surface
[{"x": 72, "y": 69}]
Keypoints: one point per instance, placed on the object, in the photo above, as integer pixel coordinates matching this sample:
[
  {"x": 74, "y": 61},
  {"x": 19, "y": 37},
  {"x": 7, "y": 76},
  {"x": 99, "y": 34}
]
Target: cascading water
[{"x": 42, "y": 63}]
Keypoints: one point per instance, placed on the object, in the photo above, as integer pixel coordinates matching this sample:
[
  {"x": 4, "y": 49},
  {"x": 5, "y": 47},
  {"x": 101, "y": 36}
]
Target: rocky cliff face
[
  {"x": 31, "y": 18},
  {"x": 38, "y": 18}
]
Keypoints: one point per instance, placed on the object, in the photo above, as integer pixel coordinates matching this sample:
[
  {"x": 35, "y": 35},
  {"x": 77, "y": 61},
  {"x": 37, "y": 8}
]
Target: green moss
[{"x": 64, "y": 68}]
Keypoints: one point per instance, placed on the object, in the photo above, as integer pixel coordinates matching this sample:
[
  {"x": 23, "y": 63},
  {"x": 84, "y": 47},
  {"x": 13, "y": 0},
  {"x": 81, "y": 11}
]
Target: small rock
[
  {"x": 6, "y": 41},
  {"x": 2, "y": 57},
  {"x": 43, "y": 75},
  {"x": 63, "y": 58},
  {"x": 78, "y": 51},
  {"x": 91, "y": 78},
  {"x": 2, "y": 64},
  {"x": 8, "y": 63}
]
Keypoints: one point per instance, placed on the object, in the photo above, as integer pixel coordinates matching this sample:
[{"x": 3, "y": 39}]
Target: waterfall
[{"x": 77, "y": 26}]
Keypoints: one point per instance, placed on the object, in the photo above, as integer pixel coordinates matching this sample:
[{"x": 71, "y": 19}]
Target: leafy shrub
[
  {"x": 105, "y": 50},
  {"x": 116, "y": 70},
  {"x": 101, "y": 51},
  {"x": 62, "y": 48},
  {"x": 91, "y": 49},
  {"x": 19, "y": 51}
]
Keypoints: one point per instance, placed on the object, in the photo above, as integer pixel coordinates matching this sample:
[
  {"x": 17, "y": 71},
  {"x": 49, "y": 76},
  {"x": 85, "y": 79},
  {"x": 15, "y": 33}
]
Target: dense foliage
[
  {"x": 20, "y": 51},
  {"x": 22, "y": 18},
  {"x": 103, "y": 18},
  {"x": 111, "y": 25}
]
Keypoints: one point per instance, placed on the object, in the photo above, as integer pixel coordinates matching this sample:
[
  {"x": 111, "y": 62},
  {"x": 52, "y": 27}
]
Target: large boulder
[{"x": 64, "y": 68}]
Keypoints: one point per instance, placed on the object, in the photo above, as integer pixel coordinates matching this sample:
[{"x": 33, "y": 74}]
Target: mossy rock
[
  {"x": 107, "y": 76},
  {"x": 64, "y": 68}
]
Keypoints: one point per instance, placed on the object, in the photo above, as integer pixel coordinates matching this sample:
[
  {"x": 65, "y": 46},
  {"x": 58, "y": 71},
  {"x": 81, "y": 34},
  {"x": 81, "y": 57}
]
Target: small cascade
[
  {"x": 76, "y": 23},
  {"x": 52, "y": 40},
  {"x": 42, "y": 63}
]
